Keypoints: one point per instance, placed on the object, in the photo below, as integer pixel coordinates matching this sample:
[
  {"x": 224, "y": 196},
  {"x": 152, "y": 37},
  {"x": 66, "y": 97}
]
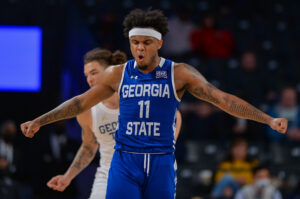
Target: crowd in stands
[{"x": 244, "y": 47}]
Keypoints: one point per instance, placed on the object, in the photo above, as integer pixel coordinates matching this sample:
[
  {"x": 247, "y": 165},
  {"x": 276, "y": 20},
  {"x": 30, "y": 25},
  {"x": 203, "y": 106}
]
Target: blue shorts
[{"x": 142, "y": 176}]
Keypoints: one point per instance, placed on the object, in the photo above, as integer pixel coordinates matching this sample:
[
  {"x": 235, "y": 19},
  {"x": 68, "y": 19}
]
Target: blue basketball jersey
[{"x": 148, "y": 104}]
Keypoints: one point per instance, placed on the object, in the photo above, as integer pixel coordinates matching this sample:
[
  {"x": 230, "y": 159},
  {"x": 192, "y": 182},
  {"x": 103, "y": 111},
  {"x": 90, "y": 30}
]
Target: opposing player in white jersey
[{"x": 98, "y": 126}]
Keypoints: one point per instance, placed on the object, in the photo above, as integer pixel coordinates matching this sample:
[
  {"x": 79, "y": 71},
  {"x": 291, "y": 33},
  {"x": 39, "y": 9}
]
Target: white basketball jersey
[{"x": 105, "y": 122}]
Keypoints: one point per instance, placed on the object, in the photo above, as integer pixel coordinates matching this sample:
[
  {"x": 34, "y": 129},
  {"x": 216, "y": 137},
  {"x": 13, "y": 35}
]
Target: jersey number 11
[{"x": 143, "y": 103}]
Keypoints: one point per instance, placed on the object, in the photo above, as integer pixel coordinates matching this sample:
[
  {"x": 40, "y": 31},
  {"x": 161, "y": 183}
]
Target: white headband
[{"x": 145, "y": 32}]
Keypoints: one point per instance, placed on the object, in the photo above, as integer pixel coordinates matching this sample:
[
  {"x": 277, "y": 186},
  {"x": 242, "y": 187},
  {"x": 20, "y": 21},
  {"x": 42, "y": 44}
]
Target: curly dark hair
[
  {"x": 105, "y": 57},
  {"x": 143, "y": 19}
]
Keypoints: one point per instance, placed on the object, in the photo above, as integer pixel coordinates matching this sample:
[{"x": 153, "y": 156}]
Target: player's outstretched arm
[
  {"x": 189, "y": 78},
  {"x": 104, "y": 89},
  {"x": 83, "y": 158}
]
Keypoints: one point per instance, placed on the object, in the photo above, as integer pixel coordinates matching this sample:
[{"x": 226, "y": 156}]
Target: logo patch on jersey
[
  {"x": 104, "y": 118},
  {"x": 133, "y": 77},
  {"x": 161, "y": 74}
]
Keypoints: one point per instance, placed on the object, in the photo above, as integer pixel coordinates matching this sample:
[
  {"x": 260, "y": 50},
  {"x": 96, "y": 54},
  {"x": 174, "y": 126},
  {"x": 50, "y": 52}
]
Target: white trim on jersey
[
  {"x": 122, "y": 78},
  {"x": 94, "y": 115},
  {"x": 173, "y": 83},
  {"x": 161, "y": 62},
  {"x": 134, "y": 65},
  {"x": 110, "y": 110}
]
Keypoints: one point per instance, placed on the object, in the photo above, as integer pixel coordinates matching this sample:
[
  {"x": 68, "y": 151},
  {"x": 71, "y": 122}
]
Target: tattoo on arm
[
  {"x": 231, "y": 104},
  {"x": 206, "y": 95},
  {"x": 66, "y": 110},
  {"x": 195, "y": 73},
  {"x": 84, "y": 156},
  {"x": 201, "y": 92},
  {"x": 248, "y": 111}
]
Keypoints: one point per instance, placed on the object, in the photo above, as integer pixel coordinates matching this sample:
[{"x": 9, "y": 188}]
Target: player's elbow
[
  {"x": 89, "y": 148},
  {"x": 82, "y": 103}
]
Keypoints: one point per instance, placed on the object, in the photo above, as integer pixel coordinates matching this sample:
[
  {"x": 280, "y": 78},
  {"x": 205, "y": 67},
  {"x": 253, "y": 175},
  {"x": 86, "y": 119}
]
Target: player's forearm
[
  {"x": 68, "y": 109},
  {"x": 82, "y": 159},
  {"x": 230, "y": 103},
  {"x": 241, "y": 109}
]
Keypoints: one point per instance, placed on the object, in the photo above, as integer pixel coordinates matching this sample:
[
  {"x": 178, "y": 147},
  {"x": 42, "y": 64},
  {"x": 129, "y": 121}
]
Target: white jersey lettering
[
  {"x": 145, "y": 90},
  {"x": 143, "y": 128}
]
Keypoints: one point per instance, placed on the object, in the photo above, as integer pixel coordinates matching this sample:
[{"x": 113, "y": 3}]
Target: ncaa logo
[{"x": 161, "y": 74}]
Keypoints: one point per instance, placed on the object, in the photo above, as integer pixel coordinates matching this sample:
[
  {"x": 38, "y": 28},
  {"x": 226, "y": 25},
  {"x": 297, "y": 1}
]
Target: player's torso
[
  {"x": 148, "y": 104},
  {"x": 104, "y": 125}
]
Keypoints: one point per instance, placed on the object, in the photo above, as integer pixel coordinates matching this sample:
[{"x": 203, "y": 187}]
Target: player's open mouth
[{"x": 140, "y": 58}]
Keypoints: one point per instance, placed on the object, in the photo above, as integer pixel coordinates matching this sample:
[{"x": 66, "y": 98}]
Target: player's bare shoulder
[
  {"x": 186, "y": 75},
  {"x": 179, "y": 80},
  {"x": 112, "y": 76},
  {"x": 182, "y": 72},
  {"x": 186, "y": 70},
  {"x": 85, "y": 118}
]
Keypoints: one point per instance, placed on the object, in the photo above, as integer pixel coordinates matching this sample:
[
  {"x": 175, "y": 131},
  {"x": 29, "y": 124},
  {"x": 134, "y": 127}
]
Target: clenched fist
[
  {"x": 30, "y": 128},
  {"x": 59, "y": 183},
  {"x": 279, "y": 124}
]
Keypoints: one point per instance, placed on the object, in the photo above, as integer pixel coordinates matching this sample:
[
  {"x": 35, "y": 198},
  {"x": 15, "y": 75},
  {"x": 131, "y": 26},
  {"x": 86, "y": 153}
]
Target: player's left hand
[
  {"x": 279, "y": 124},
  {"x": 30, "y": 128},
  {"x": 59, "y": 183}
]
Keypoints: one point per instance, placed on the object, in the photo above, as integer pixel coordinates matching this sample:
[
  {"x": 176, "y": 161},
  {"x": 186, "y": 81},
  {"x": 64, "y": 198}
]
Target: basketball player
[
  {"x": 150, "y": 88},
  {"x": 98, "y": 126}
]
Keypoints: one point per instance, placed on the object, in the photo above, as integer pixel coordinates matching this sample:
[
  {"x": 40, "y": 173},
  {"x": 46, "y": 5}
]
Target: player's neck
[
  {"x": 111, "y": 102},
  {"x": 155, "y": 62}
]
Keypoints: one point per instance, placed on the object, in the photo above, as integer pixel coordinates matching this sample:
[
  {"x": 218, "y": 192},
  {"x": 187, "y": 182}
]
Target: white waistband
[{"x": 144, "y": 153}]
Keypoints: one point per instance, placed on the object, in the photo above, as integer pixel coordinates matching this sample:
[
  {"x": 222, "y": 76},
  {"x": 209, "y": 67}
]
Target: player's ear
[{"x": 160, "y": 43}]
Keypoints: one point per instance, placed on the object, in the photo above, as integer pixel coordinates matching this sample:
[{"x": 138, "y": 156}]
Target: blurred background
[{"x": 249, "y": 48}]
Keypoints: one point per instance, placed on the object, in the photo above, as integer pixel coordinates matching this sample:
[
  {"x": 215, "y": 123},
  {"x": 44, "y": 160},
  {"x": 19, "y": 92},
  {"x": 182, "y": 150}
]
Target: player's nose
[
  {"x": 140, "y": 47},
  {"x": 90, "y": 82}
]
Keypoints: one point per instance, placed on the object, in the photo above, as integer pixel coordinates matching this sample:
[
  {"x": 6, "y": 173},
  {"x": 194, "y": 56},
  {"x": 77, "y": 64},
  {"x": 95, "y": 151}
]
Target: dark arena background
[{"x": 250, "y": 48}]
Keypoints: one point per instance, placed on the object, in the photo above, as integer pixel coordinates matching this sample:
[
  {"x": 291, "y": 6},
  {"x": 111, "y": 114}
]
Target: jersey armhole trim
[
  {"x": 173, "y": 83},
  {"x": 121, "y": 82},
  {"x": 93, "y": 114}
]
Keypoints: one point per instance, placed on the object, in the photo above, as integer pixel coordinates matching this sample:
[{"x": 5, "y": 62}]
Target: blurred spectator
[
  {"x": 211, "y": 41},
  {"x": 289, "y": 109},
  {"x": 296, "y": 192},
  {"x": 176, "y": 42},
  {"x": 235, "y": 171},
  {"x": 200, "y": 120},
  {"x": 10, "y": 160},
  {"x": 261, "y": 188},
  {"x": 108, "y": 28},
  {"x": 251, "y": 82}
]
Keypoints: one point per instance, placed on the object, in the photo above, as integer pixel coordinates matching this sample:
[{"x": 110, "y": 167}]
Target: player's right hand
[
  {"x": 30, "y": 128},
  {"x": 59, "y": 183}
]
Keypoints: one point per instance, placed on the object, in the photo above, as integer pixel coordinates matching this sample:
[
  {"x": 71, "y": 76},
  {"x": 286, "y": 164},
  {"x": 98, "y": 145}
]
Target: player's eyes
[{"x": 148, "y": 42}]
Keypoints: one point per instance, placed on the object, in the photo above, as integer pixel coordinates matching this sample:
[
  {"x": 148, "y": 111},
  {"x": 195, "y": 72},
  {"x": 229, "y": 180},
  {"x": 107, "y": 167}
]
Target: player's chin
[
  {"x": 283, "y": 131},
  {"x": 140, "y": 62},
  {"x": 141, "y": 66}
]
